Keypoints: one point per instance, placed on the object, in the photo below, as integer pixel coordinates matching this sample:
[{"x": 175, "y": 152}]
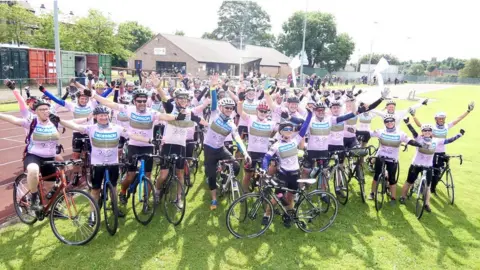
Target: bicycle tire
[
  {"x": 186, "y": 181},
  {"x": 421, "y": 199},
  {"x": 20, "y": 209},
  {"x": 331, "y": 206},
  {"x": 343, "y": 186},
  {"x": 236, "y": 193},
  {"x": 380, "y": 198},
  {"x": 450, "y": 187},
  {"x": 146, "y": 201},
  {"x": 361, "y": 182},
  {"x": 248, "y": 215},
  {"x": 86, "y": 171},
  {"x": 174, "y": 189},
  {"x": 91, "y": 204},
  {"x": 110, "y": 206}
]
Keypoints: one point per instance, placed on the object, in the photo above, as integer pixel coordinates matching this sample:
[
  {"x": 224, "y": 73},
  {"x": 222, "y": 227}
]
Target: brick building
[{"x": 201, "y": 57}]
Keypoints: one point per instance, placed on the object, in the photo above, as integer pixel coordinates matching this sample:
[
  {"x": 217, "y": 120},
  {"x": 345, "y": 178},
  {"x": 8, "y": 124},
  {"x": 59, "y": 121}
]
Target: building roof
[
  {"x": 270, "y": 56},
  {"x": 206, "y": 50}
]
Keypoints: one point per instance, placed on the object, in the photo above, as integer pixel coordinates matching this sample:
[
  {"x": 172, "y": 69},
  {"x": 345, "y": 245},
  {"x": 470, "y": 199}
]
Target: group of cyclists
[{"x": 268, "y": 123}]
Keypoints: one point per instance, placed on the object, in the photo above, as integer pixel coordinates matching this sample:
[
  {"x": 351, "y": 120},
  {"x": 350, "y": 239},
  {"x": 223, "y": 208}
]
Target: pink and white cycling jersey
[
  {"x": 336, "y": 132},
  {"x": 287, "y": 153},
  {"x": 319, "y": 132},
  {"x": 233, "y": 115},
  {"x": 140, "y": 123},
  {"x": 250, "y": 108},
  {"x": 424, "y": 156},
  {"x": 389, "y": 142},
  {"x": 218, "y": 131},
  {"x": 441, "y": 133},
  {"x": 81, "y": 111},
  {"x": 104, "y": 142},
  {"x": 121, "y": 119},
  {"x": 258, "y": 134},
  {"x": 191, "y": 131},
  {"x": 176, "y": 131},
  {"x": 44, "y": 139},
  {"x": 350, "y": 127},
  {"x": 365, "y": 119}
]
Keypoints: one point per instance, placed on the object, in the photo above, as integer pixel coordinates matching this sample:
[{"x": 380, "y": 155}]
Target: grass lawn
[{"x": 447, "y": 238}]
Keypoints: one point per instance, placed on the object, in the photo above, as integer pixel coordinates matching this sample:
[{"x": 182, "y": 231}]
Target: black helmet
[
  {"x": 320, "y": 104},
  {"x": 100, "y": 110},
  {"x": 285, "y": 124},
  {"x": 40, "y": 102},
  {"x": 335, "y": 103},
  {"x": 293, "y": 99},
  {"x": 140, "y": 93},
  {"x": 79, "y": 93}
]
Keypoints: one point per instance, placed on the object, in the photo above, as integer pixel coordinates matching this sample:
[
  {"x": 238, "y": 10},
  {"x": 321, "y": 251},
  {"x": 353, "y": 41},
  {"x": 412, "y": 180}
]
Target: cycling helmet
[
  {"x": 297, "y": 91},
  {"x": 181, "y": 93},
  {"x": 263, "y": 106},
  {"x": 388, "y": 116},
  {"x": 249, "y": 89},
  {"x": 80, "y": 93},
  {"x": 140, "y": 93},
  {"x": 320, "y": 105},
  {"x": 426, "y": 127},
  {"x": 130, "y": 84},
  {"x": 293, "y": 99},
  {"x": 226, "y": 102},
  {"x": 40, "y": 102},
  {"x": 126, "y": 99},
  {"x": 100, "y": 110},
  {"x": 335, "y": 103},
  {"x": 285, "y": 124},
  {"x": 440, "y": 115},
  {"x": 190, "y": 96},
  {"x": 337, "y": 93},
  {"x": 391, "y": 102},
  {"x": 31, "y": 99},
  {"x": 326, "y": 93},
  {"x": 99, "y": 85}
]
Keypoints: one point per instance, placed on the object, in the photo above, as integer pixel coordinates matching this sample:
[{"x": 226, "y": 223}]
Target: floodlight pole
[
  {"x": 303, "y": 46},
  {"x": 57, "y": 48}
]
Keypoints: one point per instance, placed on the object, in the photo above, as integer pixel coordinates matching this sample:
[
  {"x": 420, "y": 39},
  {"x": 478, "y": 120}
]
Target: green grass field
[{"x": 447, "y": 238}]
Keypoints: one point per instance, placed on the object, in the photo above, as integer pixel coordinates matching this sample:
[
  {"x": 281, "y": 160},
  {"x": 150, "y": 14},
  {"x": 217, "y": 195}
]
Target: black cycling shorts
[
  {"x": 77, "y": 146},
  {"x": 332, "y": 148},
  {"x": 313, "y": 154},
  {"x": 414, "y": 171},
  {"x": 243, "y": 132},
  {"x": 45, "y": 170},
  {"x": 391, "y": 169},
  {"x": 289, "y": 179},
  {"x": 121, "y": 142},
  {"x": 363, "y": 136},
  {"x": 169, "y": 149},
  {"x": 350, "y": 143},
  {"x": 255, "y": 157},
  {"x": 138, "y": 150},
  {"x": 99, "y": 173}
]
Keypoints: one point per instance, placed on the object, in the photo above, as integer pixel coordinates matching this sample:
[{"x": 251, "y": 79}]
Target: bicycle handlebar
[
  {"x": 63, "y": 163},
  {"x": 455, "y": 156}
]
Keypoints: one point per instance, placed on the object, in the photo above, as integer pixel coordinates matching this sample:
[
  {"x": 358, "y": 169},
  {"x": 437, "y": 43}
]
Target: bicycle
[
  {"x": 381, "y": 188},
  {"x": 70, "y": 205},
  {"x": 199, "y": 135},
  {"x": 191, "y": 169},
  {"x": 227, "y": 182},
  {"x": 108, "y": 199},
  {"x": 339, "y": 177},
  {"x": 172, "y": 192},
  {"x": 355, "y": 168},
  {"x": 146, "y": 211},
  {"x": 86, "y": 168},
  {"x": 449, "y": 178},
  {"x": 420, "y": 188},
  {"x": 309, "y": 208}
]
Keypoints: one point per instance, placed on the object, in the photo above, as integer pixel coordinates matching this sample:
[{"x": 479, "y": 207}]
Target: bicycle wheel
[
  {"x": 186, "y": 172},
  {"x": 380, "y": 191},
  {"x": 143, "y": 202},
  {"x": 174, "y": 201},
  {"x": 70, "y": 215},
  {"x": 21, "y": 200},
  {"x": 235, "y": 191},
  {"x": 245, "y": 216},
  {"x": 450, "y": 187},
  {"x": 361, "y": 181},
  {"x": 316, "y": 211},
  {"x": 110, "y": 208},
  {"x": 421, "y": 198},
  {"x": 86, "y": 171},
  {"x": 341, "y": 186}
]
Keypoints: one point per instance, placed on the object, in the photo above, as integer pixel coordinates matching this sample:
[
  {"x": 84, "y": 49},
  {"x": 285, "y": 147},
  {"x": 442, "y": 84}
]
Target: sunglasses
[
  {"x": 228, "y": 108},
  {"x": 287, "y": 129},
  {"x": 263, "y": 111},
  {"x": 427, "y": 130},
  {"x": 141, "y": 101},
  {"x": 320, "y": 110},
  {"x": 389, "y": 121}
]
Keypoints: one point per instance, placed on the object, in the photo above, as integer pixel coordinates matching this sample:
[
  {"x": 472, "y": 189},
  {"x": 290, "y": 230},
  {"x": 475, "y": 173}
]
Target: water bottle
[
  {"x": 282, "y": 199},
  {"x": 313, "y": 173}
]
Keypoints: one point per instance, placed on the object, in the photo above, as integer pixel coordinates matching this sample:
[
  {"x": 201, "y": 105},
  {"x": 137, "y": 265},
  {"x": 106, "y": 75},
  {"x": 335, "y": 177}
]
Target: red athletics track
[{"x": 12, "y": 144}]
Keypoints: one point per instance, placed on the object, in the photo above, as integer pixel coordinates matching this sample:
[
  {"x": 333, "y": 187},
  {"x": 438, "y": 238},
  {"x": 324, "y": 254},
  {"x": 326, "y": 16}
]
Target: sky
[{"x": 410, "y": 30}]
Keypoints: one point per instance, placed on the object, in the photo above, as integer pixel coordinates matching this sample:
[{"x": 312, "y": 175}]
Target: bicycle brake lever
[{"x": 461, "y": 159}]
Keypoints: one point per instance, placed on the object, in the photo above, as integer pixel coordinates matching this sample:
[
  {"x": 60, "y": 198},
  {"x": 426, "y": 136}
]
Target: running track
[{"x": 12, "y": 144}]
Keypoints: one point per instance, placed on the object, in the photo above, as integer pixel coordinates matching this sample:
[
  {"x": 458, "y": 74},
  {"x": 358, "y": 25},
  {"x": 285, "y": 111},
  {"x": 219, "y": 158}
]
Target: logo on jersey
[
  {"x": 261, "y": 129},
  {"x": 288, "y": 150},
  {"x": 141, "y": 121},
  {"x": 393, "y": 140},
  {"x": 105, "y": 139},
  {"x": 82, "y": 112}
]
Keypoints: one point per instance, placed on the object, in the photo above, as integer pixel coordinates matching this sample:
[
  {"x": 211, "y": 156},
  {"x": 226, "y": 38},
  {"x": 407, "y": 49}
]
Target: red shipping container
[
  {"x": 50, "y": 67},
  {"x": 36, "y": 65},
  {"x": 92, "y": 63}
]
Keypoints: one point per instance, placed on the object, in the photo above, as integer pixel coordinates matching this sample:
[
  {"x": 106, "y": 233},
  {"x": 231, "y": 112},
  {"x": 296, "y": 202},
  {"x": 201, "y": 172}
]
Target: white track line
[
  {"x": 10, "y": 162},
  {"x": 10, "y": 140}
]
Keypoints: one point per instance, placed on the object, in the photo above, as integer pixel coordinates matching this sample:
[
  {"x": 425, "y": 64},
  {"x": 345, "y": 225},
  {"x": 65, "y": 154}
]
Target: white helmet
[
  {"x": 391, "y": 102},
  {"x": 440, "y": 115},
  {"x": 388, "y": 116},
  {"x": 426, "y": 126},
  {"x": 126, "y": 99},
  {"x": 226, "y": 102}
]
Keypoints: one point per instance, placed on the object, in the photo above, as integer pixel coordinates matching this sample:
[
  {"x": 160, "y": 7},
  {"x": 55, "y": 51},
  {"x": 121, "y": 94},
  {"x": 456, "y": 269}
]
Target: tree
[
  {"x": 417, "y": 70},
  {"x": 339, "y": 53},
  {"x": 179, "y": 33},
  {"x": 471, "y": 69},
  {"x": 17, "y": 23},
  {"x": 321, "y": 32},
  {"x": 431, "y": 68},
  {"x": 242, "y": 19},
  {"x": 133, "y": 35},
  {"x": 391, "y": 59}
]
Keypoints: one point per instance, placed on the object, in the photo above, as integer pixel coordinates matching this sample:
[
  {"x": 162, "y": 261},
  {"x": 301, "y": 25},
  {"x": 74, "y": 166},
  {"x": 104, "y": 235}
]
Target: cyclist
[
  {"x": 440, "y": 131},
  {"x": 175, "y": 137},
  {"x": 249, "y": 106},
  {"x": 42, "y": 141},
  {"x": 424, "y": 158},
  {"x": 390, "y": 139},
  {"x": 214, "y": 150},
  {"x": 141, "y": 122},
  {"x": 286, "y": 149},
  {"x": 399, "y": 115},
  {"x": 259, "y": 131}
]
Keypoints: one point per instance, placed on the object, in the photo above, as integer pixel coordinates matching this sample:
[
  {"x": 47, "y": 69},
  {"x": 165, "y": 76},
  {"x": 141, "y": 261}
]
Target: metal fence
[{"x": 443, "y": 79}]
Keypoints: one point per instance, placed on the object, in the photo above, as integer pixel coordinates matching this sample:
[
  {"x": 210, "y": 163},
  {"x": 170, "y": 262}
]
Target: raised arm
[
  {"x": 471, "y": 106},
  {"x": 454, "y": 138},
  {"x": 21, "y": 103},
  {"x": 410, "y": 127},
  {"x": 306, "y": 124},
  {"x": 110, "y": 104},
  {"x": 12, "y": 119},
  {"x": 240, "y": 109},
  {"x": 72, "y": 125},
  {"x": 60, "y": 102}
]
